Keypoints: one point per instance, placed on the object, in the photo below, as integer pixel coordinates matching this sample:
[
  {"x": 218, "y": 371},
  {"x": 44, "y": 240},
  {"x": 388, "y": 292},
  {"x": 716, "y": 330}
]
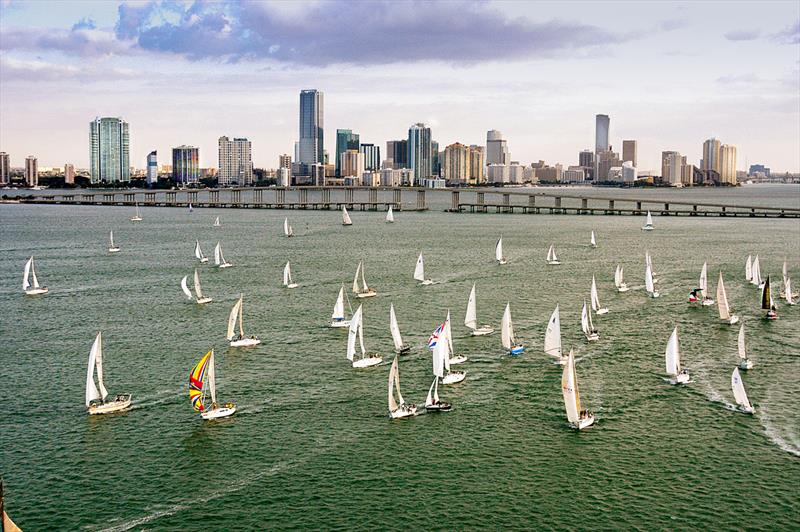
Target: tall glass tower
[
  {"x": 419, "y": 152},
  {"x": 109, "y": 147},
  {"x": 602, "y": 124},
  {"x": 311, "y": 127},
  {"x": 345, "y": 140}
]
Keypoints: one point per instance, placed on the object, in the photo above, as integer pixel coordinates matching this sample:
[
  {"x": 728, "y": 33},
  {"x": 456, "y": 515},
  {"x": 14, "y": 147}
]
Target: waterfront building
[
  {"x": 574, "y": 174},
  {"x": 547, "y": 173},
  {"x": 370, "y": 179},
  {"x": 629, "y": 149},
  {"x": 345, "y": 140},
  {"x": 727, "y": 171},
  {"x": 628, "y": 172},
  {"x": 477, "y": 167},
  {"x": 235, "y": 162},
  {"x": 436, "y": 159},
  {"x": 283, "y": 176},
  {"x": 311, "y": 143},
  {"x": 753, "y": 170},
  {"x": 397, "y": 177},
  {"x": 586, "y": 160},
  {"x": 516, "y": 173},
  {"x": 711, "y": 155},
  {"x": 671, "y": 168},
  {"x": 109, "y": 150},
  {"x": 152, "y": 167},
  {"x": 419, "y": 157},
  {"x": 285, "y": 161},
  {"x": 456, "y": 164},
  {"x": 372, "y": 156},
  {"x": 186, "y": 165},
  {"x": 602, "y": 128},
  {"x": 5, "y": 168},
  {"x": 605, "y": 160},
  {"x": 69, "y": 174},
  {"x": 497, "y": 173},
  {"x": 352, "y": 164},
  {"x": 496, "y": 148},
  {"x": 31, "y": 171},
  {"x": 397, "y": 151}
]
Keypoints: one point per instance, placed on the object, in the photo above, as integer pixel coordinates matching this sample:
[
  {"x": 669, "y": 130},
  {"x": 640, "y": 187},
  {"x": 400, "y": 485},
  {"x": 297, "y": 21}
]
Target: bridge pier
[
  {"x": 303, "y": 198},
  {"x": 454, "y": 201},
  {"x": 68, "y": 197},
  {"x": 326, "y": 198},
  {"x": 236, "y": 195},
  {"x": 191, "y": 196},
  {"x": 420, "y": 199},
  {"x": 506, "y": 202},
  {"x": 171, "y": 197},
  {"x": 258, "y": 195},
  {"x": 638, "y": 207},
  {"x": 280, "y": 197},
  {"x": 481, "y": 200},
  {"x": 373, "y": 199},
  {"x": 584, "y": 205},
  {"x": 398, "y": 198},
  {"x": 348, "y": 196},
  {"x": 108, "y": 197},
  {"x": 558, "y": 204},
  {"x": 150, "y": 197},
  {"x": 610, "y": 207},
  {"x": 129, "y": 197},
  {"x": 213, "y": 196},
  {"x": 666, "y": 208}
]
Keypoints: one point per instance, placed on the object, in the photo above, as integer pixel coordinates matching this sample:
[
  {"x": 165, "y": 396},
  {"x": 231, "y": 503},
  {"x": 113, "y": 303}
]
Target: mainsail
[
  {"x": 338, "y": 308},
  {"x": 738, "y": 390},
  {"x": 395, "y": 328},
  {"x": 595, "y": 299},
  {"x": 722, "y": 300},
  {"x": 748, "y": 268},
  {"x": 236, "y": 313},
  {"x": 346, "y": 217},
  {"x": 498, "y": 249},
  {"x": 95, "y": 363},
  {"x": 390, "y": 215},
  {"x": 419, "y": 270},
  {"x": 197, "y": 290},
  {"x": 198, "y": 253},
  {"x": 552, "y": 337},
  {"x": 185, "y": 287},
  {"x": 507, "y": 328},
  {"x": 740, "y": 343},
  {"x": 287, "y": 274},
  {"x": 703, "y": 283},
  {"x": 471, "y": 318},
  {"x": 766, "y": 296},
  {"x": 673, "y": 354},
  {"x": 355, "y": 331},
  {"x": 569, "y": 388}
]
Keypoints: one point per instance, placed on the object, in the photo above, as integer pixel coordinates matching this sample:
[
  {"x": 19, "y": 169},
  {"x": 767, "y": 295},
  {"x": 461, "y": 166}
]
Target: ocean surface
[{"x": 312, "y": 447}]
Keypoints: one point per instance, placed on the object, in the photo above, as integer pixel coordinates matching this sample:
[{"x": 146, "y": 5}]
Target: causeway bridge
[{"x": 454, "y": 200}]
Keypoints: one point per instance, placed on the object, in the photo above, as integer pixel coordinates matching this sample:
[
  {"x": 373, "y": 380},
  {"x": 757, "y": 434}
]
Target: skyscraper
[
  {"x": 496, "y": 148},
  {"x": 152, "y": 168},
  {"x": 186, "y": 165},
  {"x": 456, "y": 164},
  {"x": 352, "y": 164},
  {"x": 5, "y": 168},
  {"x": 477, "y": 167},
  {"x": 372, "y": 157},
  {"x": 727, "y": 173},
  {"x": 311, "y": 143},
  {"x": 711, "y": 155},
  {"x": 109, "y": 146},
  {"x": 235, "y": 162},
  {"x": 629, "y": 149},
  {"x": 397, "y": 151},
  {"x": 69, "y": 174},
  {"x": 345, "y": 140},
  {"x": 31, "y": 171},
  {"x": 419, "y": 152},
  {"x": 602, "y": 127},
  {"x": 285, "y": 161},
  {"x": 436, "y": 164},
  {"x": 671, "y": 167}
]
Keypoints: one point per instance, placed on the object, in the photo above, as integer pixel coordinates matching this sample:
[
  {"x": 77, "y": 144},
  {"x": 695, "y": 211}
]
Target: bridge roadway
[{"x": 525, "y": 201}]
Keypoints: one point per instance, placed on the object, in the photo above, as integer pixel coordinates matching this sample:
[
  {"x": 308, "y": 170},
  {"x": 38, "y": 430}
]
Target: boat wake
[
  {"x": 715, "y": 397},
  {"x": 162, "y": 397},
  {"x": 771, "y": 432}
]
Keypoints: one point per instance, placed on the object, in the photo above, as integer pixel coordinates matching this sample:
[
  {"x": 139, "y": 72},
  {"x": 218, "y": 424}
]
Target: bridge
[{"x": 462, "y": 200}]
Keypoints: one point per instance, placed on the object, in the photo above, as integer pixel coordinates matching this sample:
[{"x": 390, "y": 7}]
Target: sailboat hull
[
  {"x": 583, "y": 422},
  {"x": 746, "y": 364},
  {"x": 203, "y": 260},
  {"x": 368, "y": 362},
  {"x": 426, "y": 282},
  {"x": 340, "y": 324},
  {"x": 120, "y": 403},
  {"x": 369, "y": 293},
  {"x": 502, "y": 261},
  {"x": 602, "y": 311},
  {"x": 245, "y": 342},
  {"x": 204, "y": 300},
  {"x": 622, "y": 288},
  {"x": 404, "y": 350},
  {"x": 647, "y": 228},
  {"x": 553, "y": 262},
  {"x": 220, "y": 412},
  {"x": 113, "y": 250},
  {"x": 708, "y": 302},
  {"x": 292, "y": 285},
  {"x": 454, "y": 377},
  {"x": 653, "y": 294},
  {"x": 733, "y": 320},
  {"x": 593, "y": 337},
  {"x": 482, "y": 331},
  {"x": 404, "y": 411},
  {"x": 438, "y": 407},
  {"x": 516, "y": 350},
  {"x": 226, "y": 265},
  {"x": 136, "y": 219},
  {"x": 682, "y": 378},
  {"x": 747, "y": 410},
  {"x": 458, "y": 359},
  {"x": 36, "y": 291}
]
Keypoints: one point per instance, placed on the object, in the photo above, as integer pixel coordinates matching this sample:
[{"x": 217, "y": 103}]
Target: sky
[{"x": 669, "y": 74}]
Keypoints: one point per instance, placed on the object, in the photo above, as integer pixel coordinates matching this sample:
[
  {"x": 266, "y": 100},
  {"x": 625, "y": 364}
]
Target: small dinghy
[
  {"x": 29, "y": 275},
  {"x": 578, "y": 418},
  {"x": 587, "y": 326},
  {"x": 112, "y": 247},
  {"x": 219, "y": 258},
  {"x": 399, "y": 346},
  {"x": 198, "y": 253},
  {"x": 97, "y": 396},
  {"x": 287, "y": 229},
  {"x": 498, "y": 252},
  {"x": 744, "y": 362},
  {"x": 288, "y": 282},
  {"x": 397, "y": 407},
  {"x": 199, "y": 298},
  {"x": 471, "y": 318},
  {"x": 722, "y": 304},
  {"x": 552, "y": 258},
  {"x": 619, "y": 279},
  {"x": 739, "y": 394},
  {"x": 419, "y": 272},
  {"x": 346, "y": 217},
  {"x": 356, "y": 332},
  {"x": 510, "y": 343},
  {"x": 600, "y": 310},
  {"x": 216, "y": 222},
  {"x": 338, "y": 318},
  {"x": 137, "y": 217},
  {"x": 648, "y": 224},
  {"x": 552, "y": 338},
  {"x": 362, "y": 290},
  {"x": 673, "y": 360},
  {"x": 389, "y": 216},
  {"x": 239, "y": 340},
  {"x": 202, "y": 385}
]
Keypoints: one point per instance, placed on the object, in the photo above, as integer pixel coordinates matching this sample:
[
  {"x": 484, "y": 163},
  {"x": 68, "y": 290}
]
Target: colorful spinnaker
[{"x": 196, "y": 380}]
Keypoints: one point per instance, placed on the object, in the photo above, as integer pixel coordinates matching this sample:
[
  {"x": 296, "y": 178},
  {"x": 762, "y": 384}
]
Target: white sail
[
  {"x": 756, "y": 280},
  {"x": 440, "y": 357},
  {"x": 111, "y": 238},
  {"x": 748, "y": 268},
  {"x": 649, "y": 219},
  {"x": 787, "y": 287},
  {"x": 738, "y": 390},
  {"x": 593, "y": 240},
  {"x": 211, "y": 378},
  {"x": 552, "y": 337},
  {"x": 722, "y": 300},
  {"x": 784, "y": 270},
  {"x": 648, "y": 279},
  {"x": 26, "y": 275},
  {"x": 355, "y": 278},
  {"x": 740, "y": 343},
  {"x": 395, "y": 328},
  {"x": 197, "y": 290},
  {"x": 390, "y": 215},
  {"x": 471, "y": 319},
  {"x": 185, "y": 287},
  {"x": 235, "y": 313},
  {"x": 286, "y": 228},
  {"x": 346, "y": 217},
  {"x": 216, "y": 222},
  {"x": 703, "y": 283},
  {"x": 448, "y": 332},
  {"x": 551, "y": 253},
  {"x": 354, "y": 332},
  {"x": 364, "y": 286},
  {"x": 419, "y": 270},
  {"x": 595, "y": 299},
  {"x": 498, "y": 249},
  {"x": 338, "y": 308},
  {"x": 585, "y": 320},
  {"x": 569, "y": 389},
  {"x": 433, "y": 393},
  {"x": 217, "y": 255},
  {"x": 287, "y": 274},
  {"x": 507, "y": 328},
  {"x": 617, "y": 277},
  {"x": 673, "y": 354},
  {"x": 95, "y": 364},
  {"x": 198, "y": 253},
  {"x": 393, "y": 378}
]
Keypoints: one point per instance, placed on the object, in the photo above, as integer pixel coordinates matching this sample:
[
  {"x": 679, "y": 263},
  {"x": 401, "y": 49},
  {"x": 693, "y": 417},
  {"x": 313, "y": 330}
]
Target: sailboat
[
  {"x": 756, "y": 280},
  {"x": 441, "y": 339},
  {"x": 586, "y": 324},
  {"x": 363, "y": 290},
  {"x": 432, "y": 402},
  {"x": 593, "y": 240},
  {"x": 191, "y": 210},
  {"x": 219, "y": 258},
  {"x": 96, "y": 400},
  {"x": 787, "y": 291},
  {"x": 287, "y": 229},
  {"x": 744, "y": 362},
  {"x": 507, "y": 338},
  {"x": 748, "y": 269},
  {"x": 471, "y": 319},
  {"x": 216, "y": 222},
  {"x": 578, "y": 418},
  {"x": 338, "y": 318},
  {"x": 498, "y": 252},
  {"x": 389, "y": 215},
  {"x": 112, "y": 248},
  {"x": 439, "y": 354},
  {"x": 239, "y": 340},
  {"x": 398, "y": 407},
  {"x": 399, "y": 347},
  {"x": 673, "y": 360},
  {"x": 137, "y": 217},
  {"x": 419, "y": 272},
  {"x": 346, "y": 217},
  {"x": 722, "y": 304},
  {"x": 30, "y": 275},
  {"x": 648, "y": 260},
  {"x": 288, "y": 282},
  {"x": 552, "y": 259},
  {"x": 648, "y": 225},
  {"x": 357, "y": 331},
  {"x": 648, "y": 282},
  {"x": 767, "y": 303},
  {"x": 596, "y": 301},
  {"x": 448, "y": 331},
  {"x": 619, "y": 279},
  {"x": 198, "y": 253},
  {"x": 203, "y": 384},
  {"x": 552, "y": 337},
  {"x": 739, "y": 394},
  {"x": 701, "y": 293}
]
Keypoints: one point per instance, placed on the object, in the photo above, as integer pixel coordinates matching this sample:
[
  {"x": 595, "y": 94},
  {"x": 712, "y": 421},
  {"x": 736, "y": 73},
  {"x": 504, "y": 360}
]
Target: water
[{"x": 311, "y": 446}]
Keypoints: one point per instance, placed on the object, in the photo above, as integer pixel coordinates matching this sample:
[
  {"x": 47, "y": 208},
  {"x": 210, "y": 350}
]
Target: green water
[{"x": 311, "y": 446}]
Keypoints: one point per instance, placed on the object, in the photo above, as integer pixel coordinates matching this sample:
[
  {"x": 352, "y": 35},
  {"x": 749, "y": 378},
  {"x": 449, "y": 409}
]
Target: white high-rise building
[
  {"x": 711, "y": 155},
  {"x": 235, "y": 162},
  {"x": 419, "y": 156},
  {"x": 496, "y": 148},
  {"x": 727, "y": 173},
  {"x": 31, "y": 171}
]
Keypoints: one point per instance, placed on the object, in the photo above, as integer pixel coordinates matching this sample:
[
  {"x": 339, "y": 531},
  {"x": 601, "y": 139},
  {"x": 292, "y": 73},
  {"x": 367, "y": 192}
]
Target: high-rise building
[
  {"x": 586, "y": 159},
  {"x": 671, "y": 167},
  {"x": 152, "y": 167},
  {"x": 496, "y": 148},
  {"x": 753, "y": 170},
  {"x": 436, "y": 159},
  {"x": 109, "y": 146},
  {"x": 602, "y": 128},
  {"x": 31, "y": 171},
  {"x": 477, "y": 166},
  {"x": 311, "y": 128},
  {"x": 235, "y": 162},
  {"x": 345, "y": 140},
  {"x": 605, "y": 161},
  {"x": 727, "y": 172},
  {"x": 456, "y": 164},
  {"x": 352, "y": 164},
  {"x": 5, "y": 168},
  {"x": 419, "y": 152},
  {"x": 397, "y": 151},
  {"x": 69, "y": 174},
  {"x": 711, "y": 155},
  {"x": 372, "y": 157},
  {"x": 186, "y": 165},
  {"x": 285, "y": 161},
  {"x": 629, "y": 149},
  {"x": 628, "y": 172}
]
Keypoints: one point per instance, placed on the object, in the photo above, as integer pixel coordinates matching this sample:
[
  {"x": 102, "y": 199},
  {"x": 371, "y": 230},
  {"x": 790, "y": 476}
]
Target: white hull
[
  {"x": 136, "y": 219},
  {"x": 745, "y": 410},
  {"x": 292, "y": 285},
  {"x": 341, "y": 324},
  {"x": 553, "y": 262},
  {"x": 593, "y": 337},
  {"x": 204, "y": 300},
  {"x": 732, "y": 321},
  {"x": 121, "y": 403},
  {"x": 438, "y": 407},
  {"x": 454, "y": 377},
  {"x": 482, "y": 331},
  {"x": 602, "y": 311},
  {"x": 623, "y": 288},
  {"x": 561, "y": 361},
  {"x": 458, "y": 359},
  {"x": 404, "y": 411},
  {"x": 502, "y": 261},
  {"x": 369, "y": 293},
  {"x": 683, "y": 378},
  {"x": 226, "y": 265},
  {"x": 647, "y": 228},
  {"x": 245, "y": 342},
  {"x": 653, "y": 294},
  {"x": 426, "y": 282},
  {"x": 746, "y": 364},
  {"x": 368, "y": 362},
  {"x": 36, "y": 291},
  {"x": 203, "y": 260},
  {"x": 113, "y": 250},
  {"x": 583, "y": 422},
  {"x": 708, "y": 302},
  {"x": 219, "y": 412}
]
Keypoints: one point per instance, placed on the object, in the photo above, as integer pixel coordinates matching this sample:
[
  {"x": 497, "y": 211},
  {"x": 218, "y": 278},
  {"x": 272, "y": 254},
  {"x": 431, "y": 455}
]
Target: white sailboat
[
  {"x": 338, "y": 318},
  {"x": 288, "y": 282},
  {"x": 432, "y": 402},
  {"x": 202, "y": 385},
  {"x": 419, "y": 272},
  {"x": 239, "y": 340},
  {"x": 722, "y": 304},
  {"x": 362, "y": 290},
  {"x": 137, "y": 217},
  {"x": 648, "y": 260},
  {"x": 96, "y": 400},
  {"x": 587, "y": 326},
  {"x": 619, "y": 279},
  {"x": 552, "y": 259},
  {"x": 216, "y": 222},
  {"x": 648, "y": 225},
  {"x": 787, "y": 291},
  {"x": 112, "y": 248},
  {"x": 30, "y": 275},
  {"x": 673, "y": 360},
  {"x": 191, "y": 210},
  {"x": 552, "y": 338},
  {"x": 346, "y": 217},
  {"x": 389, "y": 215},
  {"x": 596, "y": 300},
  {"x": 577, "y": 417},
  {"x": 399, "y": 347},
  {"x": 510, "y": 343},
  {"x": 739, "y": 394},
  {"x": 357, "y": 331},
  {"x": 701, "y": 293},
  {"x": 744, "y": 362},
  {"x": 756, "y": 280},
  {"x": 287, "y": 229},
  {"x": 498, "y": 252},
  {"x": 593, "y": 240},
  {"x": 448, "y": 331},
  {"x": 648, "y": 282},
  {"x": 198, "y": 253},
  {"x": 398, "y": 407},
  {"x": 219, "y": 258},
  {"x": 442, "y": 339},
  {"x": 471, "y": 318},
  {"x": 748, "y": 269}
]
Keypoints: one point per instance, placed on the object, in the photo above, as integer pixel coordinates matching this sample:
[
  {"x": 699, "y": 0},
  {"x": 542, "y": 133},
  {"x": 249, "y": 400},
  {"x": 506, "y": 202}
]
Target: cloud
[
  {"x": 42, "y": 71},
  {"x": 789, "y": 35},
  {"x": 743, "y": 35},
  {"x": 738, "y": 79},
  {"x": 83, "y": 39},
  {"x": 672, "y": 24}
]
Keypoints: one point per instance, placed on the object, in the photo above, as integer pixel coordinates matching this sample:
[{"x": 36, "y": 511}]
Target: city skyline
[{"x": 737, "y": 80}]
